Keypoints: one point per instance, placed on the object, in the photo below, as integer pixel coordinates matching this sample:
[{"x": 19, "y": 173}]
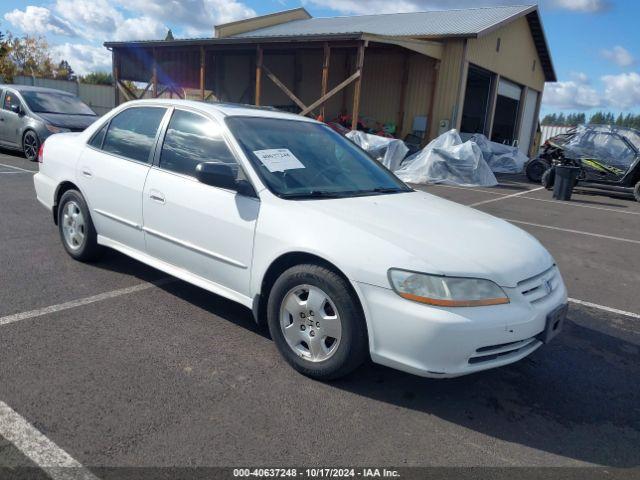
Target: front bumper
[{"x": 440, "y": 342}]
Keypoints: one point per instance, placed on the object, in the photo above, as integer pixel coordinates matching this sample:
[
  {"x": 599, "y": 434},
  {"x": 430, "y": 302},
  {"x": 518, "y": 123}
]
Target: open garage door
[
  {"x": 528, "y": 121},
  {"x": 506, "y": 114}
]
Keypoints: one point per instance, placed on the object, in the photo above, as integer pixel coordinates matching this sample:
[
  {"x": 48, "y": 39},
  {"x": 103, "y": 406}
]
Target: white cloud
[
  {"x": 196, "y": 17},
  {"x": 575, "y": 94},
  {"x": 587, "y": 6},
  {"x": 91, "y": 18},
  {"x": 39, "y": 21},
  {"x": 142, "y": 28},
  {"x": 619, "y": 55},
  {"x": 83, "y": 58},
  {"x": 622, "y": 91}
]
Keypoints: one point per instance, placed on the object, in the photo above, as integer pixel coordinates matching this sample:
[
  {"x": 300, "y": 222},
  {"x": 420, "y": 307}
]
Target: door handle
[
  {"x": 87, "y": 173},
  {"x": 156, "y": 196}
]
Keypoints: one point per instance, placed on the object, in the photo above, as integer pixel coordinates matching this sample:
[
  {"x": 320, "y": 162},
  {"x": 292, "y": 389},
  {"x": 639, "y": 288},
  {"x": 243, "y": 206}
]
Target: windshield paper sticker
[{"x": 278, "y": 159}]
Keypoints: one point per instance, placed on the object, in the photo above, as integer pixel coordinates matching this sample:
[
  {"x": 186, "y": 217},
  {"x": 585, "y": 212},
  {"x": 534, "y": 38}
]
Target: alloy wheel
[
  {"x": 73, "y": 225},
  {"x": 310, "y": 323},
  {"x": 30, "y": 146}
]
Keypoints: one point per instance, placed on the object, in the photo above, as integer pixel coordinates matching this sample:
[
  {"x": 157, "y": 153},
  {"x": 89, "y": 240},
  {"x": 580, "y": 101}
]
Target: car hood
[
  {"x": 439, "y": 235},
  {"x": 64, "y": 120}
]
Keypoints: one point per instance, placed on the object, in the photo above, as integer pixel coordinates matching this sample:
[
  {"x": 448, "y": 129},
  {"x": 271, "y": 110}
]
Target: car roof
[
  {"x": 29, "y": 88},
  {"x": 226, "y": 109}
]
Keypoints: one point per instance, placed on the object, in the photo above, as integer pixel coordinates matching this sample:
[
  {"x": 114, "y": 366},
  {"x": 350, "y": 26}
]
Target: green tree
[
  {"x": 64, "y": 71},
  {"x": 97, "y": 78}
]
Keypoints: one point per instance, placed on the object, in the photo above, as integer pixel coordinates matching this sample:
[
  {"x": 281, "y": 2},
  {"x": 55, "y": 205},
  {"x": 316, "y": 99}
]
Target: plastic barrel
[{"x": 565, "y": 179}]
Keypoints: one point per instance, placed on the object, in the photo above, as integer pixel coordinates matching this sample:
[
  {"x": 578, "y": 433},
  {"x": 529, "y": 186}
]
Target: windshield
[
  {"x": 50, "y": 102},
  {"x": 304, "y": 159}
]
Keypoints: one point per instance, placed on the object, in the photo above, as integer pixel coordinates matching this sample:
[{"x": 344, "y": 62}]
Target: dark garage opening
[
  {"x": 504, "y": 123},
  {"x": 476, "y": 101}
]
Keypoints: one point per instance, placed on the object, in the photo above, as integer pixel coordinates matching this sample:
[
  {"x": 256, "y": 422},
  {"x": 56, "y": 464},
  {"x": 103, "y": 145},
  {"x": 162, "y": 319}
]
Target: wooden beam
[
  {"x": 357, "y": 87},
  {"x": 146, "y": 89},
  {"x": 259, "y": 62},
  {"x": 116, "y": 76},
  {"x": 128, "y": 94},
  {"x": 154, "y": 77},
  {"x": 403, "y": 94},
  {"x": 432, "y": 104},
  {"x": 325, "y": 75},
  {"x": 331, "y": 93},
  {"x": 202, "y": 72},
  {"x": 283, "y": 87}
]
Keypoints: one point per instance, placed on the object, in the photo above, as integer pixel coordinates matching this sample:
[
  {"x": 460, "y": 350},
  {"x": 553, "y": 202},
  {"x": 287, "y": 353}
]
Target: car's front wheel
[
  {"x": 30, "y": 145},
  {"x": 77, "y": 232},
  {"x": 636, "y": 191},
  {"x": 316, "y": 322}
]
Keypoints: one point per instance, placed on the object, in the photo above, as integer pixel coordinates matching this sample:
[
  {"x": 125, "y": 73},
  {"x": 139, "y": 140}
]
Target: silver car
[{"x": 30, "y": 114}]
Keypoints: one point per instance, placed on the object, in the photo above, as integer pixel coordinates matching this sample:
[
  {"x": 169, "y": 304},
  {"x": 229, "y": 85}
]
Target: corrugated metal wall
[
  {"x": 99, "y": 97},
  {"x": 515, "y": 58},
  {"x": 447, "y": 93},
  {"x": 548, "y": 131}
]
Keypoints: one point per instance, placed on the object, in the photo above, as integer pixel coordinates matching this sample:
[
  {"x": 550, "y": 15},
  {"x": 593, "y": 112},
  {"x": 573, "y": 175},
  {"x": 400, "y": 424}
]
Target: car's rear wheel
[
  {"x": 548, "y": 179},
  {"x": 77, "y": 232},
  {"x": 316, "y": 322},
  {"x": 636, "y": 191},
  {"x": 30, "y": 145}
]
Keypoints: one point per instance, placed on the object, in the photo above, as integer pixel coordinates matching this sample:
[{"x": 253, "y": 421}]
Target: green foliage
[
  {"x": 97, "y": 78},
  {"x": 598, "y": 118}
]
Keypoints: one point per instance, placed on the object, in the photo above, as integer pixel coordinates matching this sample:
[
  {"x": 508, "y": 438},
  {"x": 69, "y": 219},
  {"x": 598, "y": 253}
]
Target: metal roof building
[{"x": 478, "y": 70}]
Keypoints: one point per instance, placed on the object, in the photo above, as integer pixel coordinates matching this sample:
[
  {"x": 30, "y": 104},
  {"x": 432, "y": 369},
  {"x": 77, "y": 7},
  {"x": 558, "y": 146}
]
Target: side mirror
[
  {"x": 15, "y": 108},
  {"x": 218, "y": 174}
]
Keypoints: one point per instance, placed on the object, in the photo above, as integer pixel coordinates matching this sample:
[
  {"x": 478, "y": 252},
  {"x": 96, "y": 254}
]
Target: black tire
[
  {"x": 352, "y": 348},
  {"x": 87, "y": 249},
  {"x": 636, "y": 191},
  {"x": 535, "y": 169},
  {"x": 30, "y": 145},
  {"x": 548, "y": 178}
]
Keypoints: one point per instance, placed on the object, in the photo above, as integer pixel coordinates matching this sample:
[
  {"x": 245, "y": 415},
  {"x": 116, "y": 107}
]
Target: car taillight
[{"x": 41, "y": 153}]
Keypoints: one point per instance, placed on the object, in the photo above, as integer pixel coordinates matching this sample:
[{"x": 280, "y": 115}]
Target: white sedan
[{"x": 326, "y": 246}]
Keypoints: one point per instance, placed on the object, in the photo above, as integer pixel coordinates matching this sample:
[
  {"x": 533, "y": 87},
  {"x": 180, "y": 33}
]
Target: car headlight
[
  {"x": 54, "y": 129},
  {"x": 446, "y": 291}
]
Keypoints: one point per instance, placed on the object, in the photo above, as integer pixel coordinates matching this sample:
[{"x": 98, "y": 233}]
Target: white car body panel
[{"x": 225, "y": 242}]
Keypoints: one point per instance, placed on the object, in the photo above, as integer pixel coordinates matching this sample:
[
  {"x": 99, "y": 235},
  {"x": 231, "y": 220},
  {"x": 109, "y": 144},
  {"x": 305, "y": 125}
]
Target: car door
[
  {"x": 112, "y": 171},
  {"x": 205, "y": 230},
  {"x": 10, "y": 122}
]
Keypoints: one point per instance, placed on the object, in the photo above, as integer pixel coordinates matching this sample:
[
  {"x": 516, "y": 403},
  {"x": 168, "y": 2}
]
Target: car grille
[
  {"x": 494, "y": 352},
  {"x": 539, "y": 287}
]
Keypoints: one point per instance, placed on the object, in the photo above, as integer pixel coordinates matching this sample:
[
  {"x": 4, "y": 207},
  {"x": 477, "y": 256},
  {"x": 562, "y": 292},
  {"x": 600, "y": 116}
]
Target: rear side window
[
  {"x": 9, "y": 100},
  {"x": 132, "y": 133},
  {"x": 190, "y": 140}
]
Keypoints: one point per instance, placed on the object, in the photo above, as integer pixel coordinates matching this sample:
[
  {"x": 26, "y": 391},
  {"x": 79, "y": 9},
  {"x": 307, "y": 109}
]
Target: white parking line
[
  {"x": 574, "y": 204},
  {"x": 18, "y": 168},
  {"x": 16, "y": 317},
  {"x": 505, "y": 197},
  {"x": 56, "y": 463},
  {"x": 579, "y": 232},
  {"x": 605, "y": 308},
  {"x": 488, "y": 191}
]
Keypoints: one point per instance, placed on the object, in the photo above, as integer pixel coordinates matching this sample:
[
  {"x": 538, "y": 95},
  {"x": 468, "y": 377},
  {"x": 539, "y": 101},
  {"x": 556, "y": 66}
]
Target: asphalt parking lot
[{"x": 114, "y": 364}]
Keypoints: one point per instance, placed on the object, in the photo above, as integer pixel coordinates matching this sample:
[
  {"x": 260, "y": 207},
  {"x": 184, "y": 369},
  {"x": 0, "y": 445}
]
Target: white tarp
[
  {"x": 500, "y": 158},
  {"x": 388, "y": 151},
  {"x": 448, "y": 160}
]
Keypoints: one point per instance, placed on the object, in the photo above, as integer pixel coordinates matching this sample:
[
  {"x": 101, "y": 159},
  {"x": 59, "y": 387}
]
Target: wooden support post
[
  {"x": 325, "y": 75},
  {"x": 357, "y": 87},
  {"x": 202, "y": 72},
  {"x": 259, "y": 61},
  {"x": 146, "y": 89},
  {"x": 154, "y": 77},
  {"x": 116, "y": 76},
  {"x": 331, "y": 93},
  {"x": 403, "y": 95},
  {"x": 128, "y": 94},
  {"x": 432, "y": 106}
]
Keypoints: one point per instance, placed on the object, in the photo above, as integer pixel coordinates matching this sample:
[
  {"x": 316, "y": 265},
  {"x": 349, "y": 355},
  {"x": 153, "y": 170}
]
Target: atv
[{"x": 608, "y": 158}]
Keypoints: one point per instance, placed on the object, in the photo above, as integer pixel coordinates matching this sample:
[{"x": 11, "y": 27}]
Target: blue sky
[{"x": 595, "y": 44}]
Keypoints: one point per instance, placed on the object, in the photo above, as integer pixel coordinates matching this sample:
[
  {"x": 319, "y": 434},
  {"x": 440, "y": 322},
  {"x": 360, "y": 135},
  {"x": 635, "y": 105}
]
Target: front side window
[
  {"x": 304, "y": 159},
  {"x": 10, "y": 99},
  {"x": 132, "y": 133},
  {"x": 190, "y": 140}
]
